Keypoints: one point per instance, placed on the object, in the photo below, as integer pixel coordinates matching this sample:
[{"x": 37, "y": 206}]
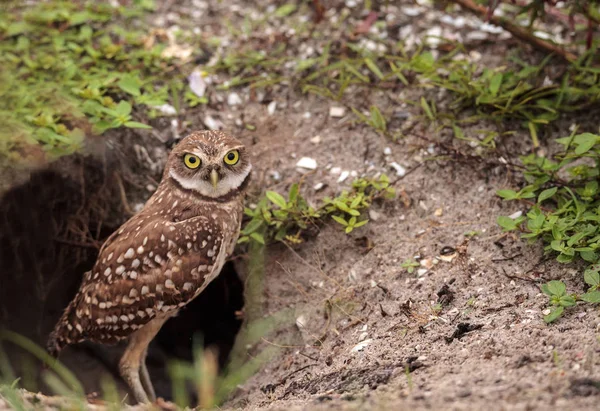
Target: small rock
[
  {"x": 335, "y": 170},
  {"x": 272, "y": 107},
  {"x": 438, "y": 212},
  {"x": 546, "y": 311},
  {"x": 515, "y": 215},
  {"x": 363, "y": 336},
  {"x": 343, "y": 176},
  {"x": 275, "y": 175},
  {"x": 315, "y": 140},
  {"x": 373, "y": 283},
  {"x": 374, "y": 215},
  {"x": 400, "y": 171},
  {"x": 421, "y": 272},
  {"x": 197, "y": 83},
  {"x": 301, "y": 321},
  {"x": 166, "y": 109},
  {"x": 387, "y": 151},
  {"x": 306, "y": 115},
  {"x": 234, "y": 99},
  {"x": 318, "y": 186},
  {"x": 212, "y": 123},
  {"x": 307, "y": 163},
  {"x": 361, "y": 345},
  {"x": 337, "y": 112}
]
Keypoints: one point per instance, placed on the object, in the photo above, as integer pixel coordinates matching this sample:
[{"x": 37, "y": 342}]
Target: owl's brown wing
[{"x": 149, "y": 268}]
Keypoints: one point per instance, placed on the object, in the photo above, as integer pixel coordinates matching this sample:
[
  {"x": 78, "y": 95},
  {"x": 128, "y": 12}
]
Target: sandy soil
[{"x": 369, "y": 334}]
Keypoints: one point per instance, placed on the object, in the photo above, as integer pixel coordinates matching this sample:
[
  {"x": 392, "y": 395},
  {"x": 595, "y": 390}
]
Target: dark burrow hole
[{"x": 50, "y": 229}]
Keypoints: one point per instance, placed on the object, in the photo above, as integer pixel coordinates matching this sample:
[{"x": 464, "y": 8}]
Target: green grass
[{"x": 75, "y": 69}]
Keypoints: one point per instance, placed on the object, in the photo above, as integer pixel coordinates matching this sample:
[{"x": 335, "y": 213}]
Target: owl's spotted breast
[{"x": 152, "y": 267}]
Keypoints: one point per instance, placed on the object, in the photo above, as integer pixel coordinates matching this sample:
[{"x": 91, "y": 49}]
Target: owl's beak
[{"x": 214, "y": 178}]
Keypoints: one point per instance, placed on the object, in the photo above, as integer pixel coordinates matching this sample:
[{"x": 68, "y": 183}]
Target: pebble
[
  {"x": 272, "y": 107},
  {"x": 307, "y": 163},
  {"x": 197, "y": 83},
  {"x": 400, "y": 171},
  {"x": 234, "y": 99},
  {"x": 363, "y": 336},
  {"x": 301, "y": 321},
  {"x": 337, "y": 112},
  {"x": 212, "y": 123},
  {"x": 318, "y": 186},
  {"x": 343, "y": 176},
  {"x": 361, "y": 345},
  {"x": 335, "y": 170},
  {"x": 515, "y": 215},
  {"x": 315, "y": 140},
  {"x": 374, "y": 215},
  {"x": 166, "y": 109},
  {"x": 387, "y": 151}
]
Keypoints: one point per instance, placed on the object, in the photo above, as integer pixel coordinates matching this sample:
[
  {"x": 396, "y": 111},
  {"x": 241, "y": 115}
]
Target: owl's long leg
[
  {"x": 145, "y": 377},
  {"x": 131, "y": 361}
]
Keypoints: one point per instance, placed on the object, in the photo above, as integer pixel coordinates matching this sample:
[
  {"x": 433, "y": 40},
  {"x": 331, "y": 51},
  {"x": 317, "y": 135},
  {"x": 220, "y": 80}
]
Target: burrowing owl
[{"x": 162, "y": 257}]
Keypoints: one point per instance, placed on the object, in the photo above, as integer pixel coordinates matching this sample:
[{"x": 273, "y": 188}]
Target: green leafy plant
[
  {"x": 564, "y": 213},
  {"x": 410, "y": 265},
  {"x": 278, "y": 218}
]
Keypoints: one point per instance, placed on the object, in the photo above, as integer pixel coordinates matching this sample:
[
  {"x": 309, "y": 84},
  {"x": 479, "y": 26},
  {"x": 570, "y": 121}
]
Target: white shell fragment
[
  {"x": 361, "y": 345},
  {"x": 337, "y": 112},
  {"x": 400, "y": 171},
  {"x": 307, "y": 163},
  {"x": 515, "y": 215},
  {"x": 234, "y": 99},
  {"x": 343, "y": 176}
]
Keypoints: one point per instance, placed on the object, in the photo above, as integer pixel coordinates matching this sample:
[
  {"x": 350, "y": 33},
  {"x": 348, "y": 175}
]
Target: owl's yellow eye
[
  {"x": 191, "y": 161},
  {"x": 232, "y": 157}
]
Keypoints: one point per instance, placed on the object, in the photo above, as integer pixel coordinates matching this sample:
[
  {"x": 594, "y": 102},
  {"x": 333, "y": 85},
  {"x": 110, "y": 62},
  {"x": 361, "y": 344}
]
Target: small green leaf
[
  {"x": 591, "y": 297},
  {"x": 276, "y": 198},
  {"x": 361, "y": 223},
  {"x": 340, "y": 220},
  {"x": 507, "y": 194},
  {"x": 130, "y": 84},
  {"x": 546, "y": 194},
  {"x": 591, "y": 277},
  {"x": 252, "y": 226},
  {"x": 123, "y": 108},
  {"x": 567, "y": 301},
  {"x": 554, "y": 314},
  {"x": 554, "y": 287},
  {"x": 427, "y": 109},
  {"x": 373, "y": 67},
  {"x": 495, "y": 83},
  {"x": 293, "y": 195},
  {"x": 135, "y": 124},
  {"x": 507, "y": 223},
  {"x": 585, "y": 142},
  {"x": 258, "y": 237}
]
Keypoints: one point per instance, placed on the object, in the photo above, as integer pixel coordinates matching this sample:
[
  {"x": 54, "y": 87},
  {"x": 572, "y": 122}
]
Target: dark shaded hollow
[{"x": 47, "y": 230}]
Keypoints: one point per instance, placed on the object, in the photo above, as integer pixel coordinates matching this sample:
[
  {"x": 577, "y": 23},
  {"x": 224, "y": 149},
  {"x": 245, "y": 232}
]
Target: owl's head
[{"x": 213, "y": 164}]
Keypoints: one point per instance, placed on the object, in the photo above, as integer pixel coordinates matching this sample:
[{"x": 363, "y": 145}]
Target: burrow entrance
[{"x": 51, "y": 228}]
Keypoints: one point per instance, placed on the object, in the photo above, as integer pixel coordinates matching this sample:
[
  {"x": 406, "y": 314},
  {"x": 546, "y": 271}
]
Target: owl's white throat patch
[{"x": 228, "y": 184}]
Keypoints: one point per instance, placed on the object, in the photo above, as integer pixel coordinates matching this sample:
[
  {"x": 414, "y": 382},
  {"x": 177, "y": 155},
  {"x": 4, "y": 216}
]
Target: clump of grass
[
  {"x": 564, "y": 199},
  {"x": 277, "y": 218},
  {"x": 72, "y": 69}
]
